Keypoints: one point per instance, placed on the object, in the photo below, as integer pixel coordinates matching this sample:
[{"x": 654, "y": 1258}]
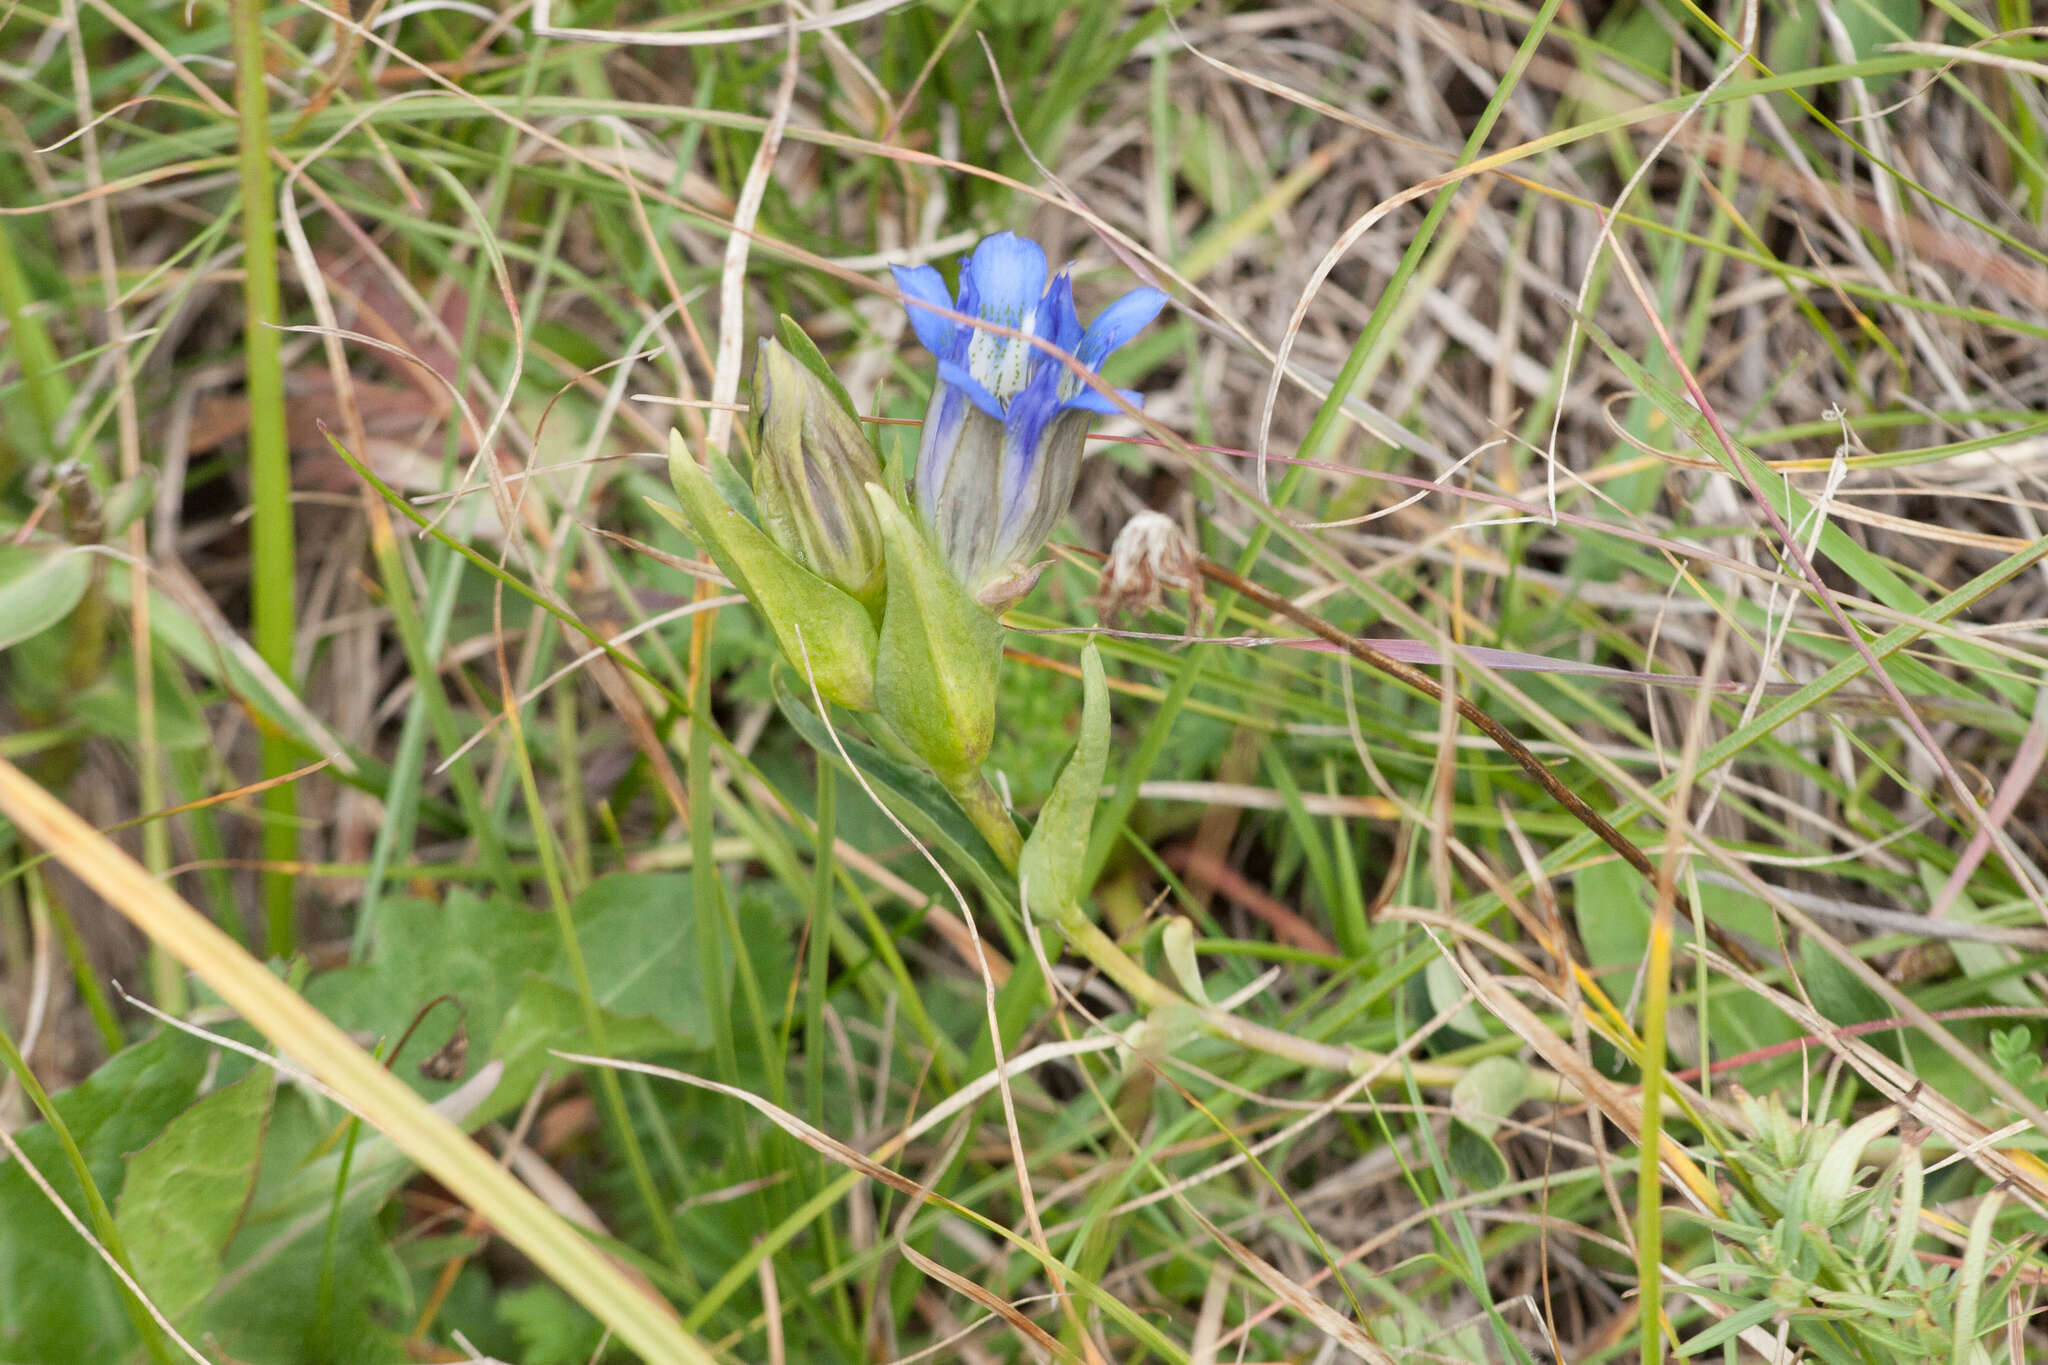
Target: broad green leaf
[
  {"x": 1975, "y": 957},
  {"x": 1473, "y": 1158},
  {"x": 268, "y": 1307},
  {"x": 638, "y": 935},
  {"x": 553, "y": 1329},
  {"x": 1837, "y": 994},
  {"x": 1611, "y": 917},
  {"x": 58, "y": 1301},
  {"x": 185, "y": 1192},
  {"x": 1444, "y": 989},
  {"x": 548, "y": 1017},
  {"x": 39, "y": 586},
  {"x": 478, "y": 949},
  {"x": 638, "y": 932},
  {"x": 1487, "y": 1093},
  {"x": 1871, "y": 24},
  {"x": 108, "y": 708}
]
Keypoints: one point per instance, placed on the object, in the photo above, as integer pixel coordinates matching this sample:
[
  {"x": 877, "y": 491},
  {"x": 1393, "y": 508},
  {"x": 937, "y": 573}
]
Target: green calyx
[
  {"x": 825, "y": 632},
  {"x": 935, "y": 676}
]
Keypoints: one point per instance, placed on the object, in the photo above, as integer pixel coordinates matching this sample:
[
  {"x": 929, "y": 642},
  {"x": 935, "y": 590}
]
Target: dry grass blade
[
  {"x": 994, "y": 1303},
  {"x": 1612, "y": 1101}
]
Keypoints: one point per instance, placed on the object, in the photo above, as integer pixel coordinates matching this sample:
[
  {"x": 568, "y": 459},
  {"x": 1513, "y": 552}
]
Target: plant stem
[
  {"x": 986, "y": 809},
  {"x": 1088, "y": 939},
  {"x": 273, "y": 575}
]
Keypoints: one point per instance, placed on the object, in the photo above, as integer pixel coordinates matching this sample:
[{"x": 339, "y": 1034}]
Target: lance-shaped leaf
[
  {"x": 823, "y": 631},
  {"x": 935, "y": 678},
  {"x": 1050, "y": 867}
]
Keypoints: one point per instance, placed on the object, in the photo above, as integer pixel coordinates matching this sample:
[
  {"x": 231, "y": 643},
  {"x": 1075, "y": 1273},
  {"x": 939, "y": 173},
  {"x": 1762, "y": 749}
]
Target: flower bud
[
  {"x": 827, "y": 635},
  {"x": 812, "y": 463}
]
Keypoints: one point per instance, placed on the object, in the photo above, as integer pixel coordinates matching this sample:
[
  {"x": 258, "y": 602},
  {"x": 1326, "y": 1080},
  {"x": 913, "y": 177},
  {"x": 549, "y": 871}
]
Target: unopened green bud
[
  {"x": 827, "y": 635},
  {"x": 812, "y": 463}
]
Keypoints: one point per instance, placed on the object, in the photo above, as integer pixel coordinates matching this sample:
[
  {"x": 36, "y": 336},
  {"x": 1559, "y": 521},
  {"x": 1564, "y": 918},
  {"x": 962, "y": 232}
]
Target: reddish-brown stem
[{"x": 1363, "y": 651}]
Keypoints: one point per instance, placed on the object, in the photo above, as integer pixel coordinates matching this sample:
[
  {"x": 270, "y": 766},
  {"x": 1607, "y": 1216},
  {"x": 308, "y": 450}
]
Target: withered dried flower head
[{"x": 1150, "y": 554}]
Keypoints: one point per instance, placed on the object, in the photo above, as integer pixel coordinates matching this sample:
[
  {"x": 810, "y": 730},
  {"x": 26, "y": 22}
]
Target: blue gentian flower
[{"x": 1002, "y": 438}]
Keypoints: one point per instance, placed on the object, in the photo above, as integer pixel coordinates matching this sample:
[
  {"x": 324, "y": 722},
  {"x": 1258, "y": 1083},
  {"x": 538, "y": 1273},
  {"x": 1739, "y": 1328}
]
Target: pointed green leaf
[
  {"x": 935, "y": 677},
  {"x": 1730, "y": 1327},
  {"x": 823, "y": 631},
  {"x": 1051, "y": 866},
  {"x": 1836, "y": 1171}
]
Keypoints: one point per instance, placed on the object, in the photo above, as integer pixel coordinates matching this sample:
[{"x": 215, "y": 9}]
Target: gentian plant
[{"x": 891, "y": 609}]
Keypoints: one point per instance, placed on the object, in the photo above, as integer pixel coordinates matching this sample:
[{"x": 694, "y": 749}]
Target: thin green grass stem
[
  {"x": 819, "y": 940},
  {"x": 84, "y": 975},
  {"x": 422, "y": 642},
  {"x": 273, "y": 577},
  {"x": 323, "y": 1317},
  {"x": 35, "y": 356}
]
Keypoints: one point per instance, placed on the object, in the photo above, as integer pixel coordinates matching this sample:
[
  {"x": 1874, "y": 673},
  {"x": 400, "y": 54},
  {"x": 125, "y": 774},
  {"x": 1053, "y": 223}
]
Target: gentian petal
[
  {"x": 1004, "y": 436},
  {"x": 938, "y": 441},
  {"x": 1060, "y": 324},
  {"x": 924, "y": 284},
  {"x": 1088, "y": 400},
  {"x": 1118, "y": 323},
  {"x": 1023, "y": 428},
  {"x": 1006, "y": 274},
  {"x": 1009, "y": 275},
  {"x": 959, "y": 378},
  {"x": 1046, "y": 488}
]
